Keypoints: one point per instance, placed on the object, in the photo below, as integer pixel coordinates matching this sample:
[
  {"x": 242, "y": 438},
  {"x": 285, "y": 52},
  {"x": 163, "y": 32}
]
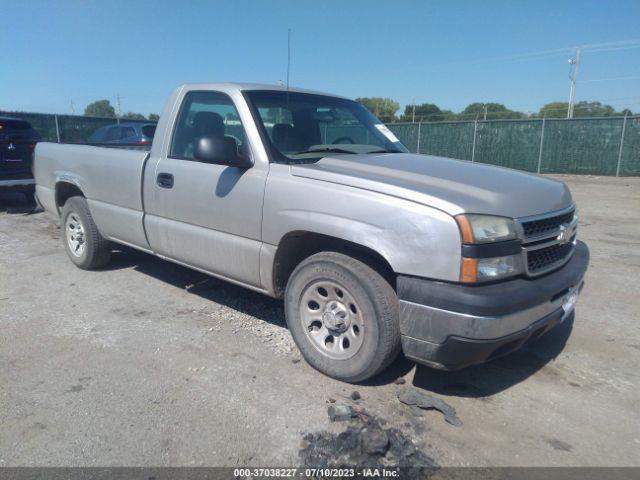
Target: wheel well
[
  {"x": 64, "y": 191},
  {"x": 296, "y": 246}
]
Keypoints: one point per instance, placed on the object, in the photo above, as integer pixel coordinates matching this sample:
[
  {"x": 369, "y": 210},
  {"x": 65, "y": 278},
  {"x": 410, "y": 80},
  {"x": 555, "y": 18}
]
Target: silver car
[{"x": 125, "y": 133}]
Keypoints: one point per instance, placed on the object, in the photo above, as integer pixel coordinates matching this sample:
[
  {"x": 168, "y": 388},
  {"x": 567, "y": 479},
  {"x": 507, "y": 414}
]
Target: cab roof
[{"x": 252, "y": 87}]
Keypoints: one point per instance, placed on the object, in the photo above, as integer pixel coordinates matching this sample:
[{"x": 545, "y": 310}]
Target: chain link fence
[
  {"x": 594, "y": 146},
  {"x": 66, "y": 128}
]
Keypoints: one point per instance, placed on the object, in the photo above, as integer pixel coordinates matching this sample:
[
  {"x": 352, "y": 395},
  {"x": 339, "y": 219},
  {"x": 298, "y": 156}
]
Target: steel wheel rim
[
  {"x": 332, "y": 319},
  {"x": 76, "y": 239}
]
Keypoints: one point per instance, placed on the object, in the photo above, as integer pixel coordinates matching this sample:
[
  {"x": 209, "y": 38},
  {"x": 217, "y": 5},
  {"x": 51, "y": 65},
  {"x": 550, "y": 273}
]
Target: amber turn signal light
[
  {"x": 465, "y": 229},
  {"x": 469, "y": 270}
]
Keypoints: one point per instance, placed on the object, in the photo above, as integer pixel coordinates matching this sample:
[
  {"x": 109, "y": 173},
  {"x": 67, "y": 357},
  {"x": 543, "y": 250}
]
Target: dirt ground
[{"x": 148, "y": 363}]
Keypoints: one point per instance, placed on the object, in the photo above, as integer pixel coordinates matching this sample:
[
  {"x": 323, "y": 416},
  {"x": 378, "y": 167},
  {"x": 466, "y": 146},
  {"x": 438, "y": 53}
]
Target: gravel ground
[{"x": 148, "y": 363}]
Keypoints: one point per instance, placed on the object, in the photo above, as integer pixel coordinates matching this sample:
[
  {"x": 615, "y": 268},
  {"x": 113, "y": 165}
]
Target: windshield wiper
[
  {"x": 382, "y": 150},
  {"x": 324, "y": 149}
]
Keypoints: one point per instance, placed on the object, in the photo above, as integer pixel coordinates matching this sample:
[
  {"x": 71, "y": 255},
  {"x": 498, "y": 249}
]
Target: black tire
[
  {"x": 97, "y": 251},
  {"x": 377, "y": 302}
]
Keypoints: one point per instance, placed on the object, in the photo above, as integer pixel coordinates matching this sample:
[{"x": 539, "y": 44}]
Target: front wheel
[
  {"x": 343, "y": 316},
  {"x": 86, "y": 248}
]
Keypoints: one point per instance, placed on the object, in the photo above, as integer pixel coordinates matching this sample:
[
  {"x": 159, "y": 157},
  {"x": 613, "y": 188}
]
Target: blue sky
[{"x": 447, "y": 52}]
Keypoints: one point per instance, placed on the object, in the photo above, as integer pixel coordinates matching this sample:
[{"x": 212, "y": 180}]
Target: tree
[
  {"x": 580, "y": 109},
  {"x": 494, "y": 111},
  {"x": 554, "y": 110},
  {"x": 154, "y": 117},
  {"x": 100, "y": 108},
  {"x": 448, "y": 115},
  {"x": 593, "y": 109},
  {"x": 383, "y": 108},
  {"x": 133, "y": 116},
  {"x": 426, "y": 112}
]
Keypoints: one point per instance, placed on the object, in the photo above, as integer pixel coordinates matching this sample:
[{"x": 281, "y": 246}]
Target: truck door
[{"x": 203, "y": 215}]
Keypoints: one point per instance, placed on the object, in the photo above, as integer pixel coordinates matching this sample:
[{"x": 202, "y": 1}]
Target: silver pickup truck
[{"x": 308, "y": 197}]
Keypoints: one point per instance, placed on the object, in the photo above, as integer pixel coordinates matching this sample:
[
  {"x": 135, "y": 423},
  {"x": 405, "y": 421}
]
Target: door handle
[{"x": 165, "y": 180}]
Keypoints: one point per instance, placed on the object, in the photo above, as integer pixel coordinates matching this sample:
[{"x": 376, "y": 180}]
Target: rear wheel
[
  {"x": 343, "y": 316},
  {"x": 86, "y": 248}
]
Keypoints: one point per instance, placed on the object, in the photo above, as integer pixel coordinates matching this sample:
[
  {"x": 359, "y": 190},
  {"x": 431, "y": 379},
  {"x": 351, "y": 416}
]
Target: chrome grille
[
  {"x": 546, "y": 258},
  {"x": 544, "y": 226},
  {"x": 548, "y": 240}
]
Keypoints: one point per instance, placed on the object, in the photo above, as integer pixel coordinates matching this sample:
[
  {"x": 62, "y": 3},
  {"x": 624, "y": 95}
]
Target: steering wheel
[
  {"x": 234, "y": 137},
  {"x": 344, "y": 139}
]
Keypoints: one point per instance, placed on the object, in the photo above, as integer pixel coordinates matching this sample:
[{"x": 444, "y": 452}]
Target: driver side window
[{"x": 205, "y": 114}]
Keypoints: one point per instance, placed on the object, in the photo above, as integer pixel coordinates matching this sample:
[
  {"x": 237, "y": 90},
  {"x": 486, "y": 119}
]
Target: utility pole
[
  {"x": 485, "y": 112},
  {"x": 119, "y": 105},
  {"x": 573, "y": 76},
  {"x": 73, "y": 107},
  {"x": 288, "y": 55},
  {"x": 413, "y": 117}
]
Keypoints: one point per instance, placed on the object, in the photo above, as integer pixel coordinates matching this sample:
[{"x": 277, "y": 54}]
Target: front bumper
[{"x": 451, "y": 326}]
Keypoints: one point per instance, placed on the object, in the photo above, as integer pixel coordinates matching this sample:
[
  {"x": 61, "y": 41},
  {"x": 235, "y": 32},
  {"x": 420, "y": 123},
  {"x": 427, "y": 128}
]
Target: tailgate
[{"x": 16, "y": 156}]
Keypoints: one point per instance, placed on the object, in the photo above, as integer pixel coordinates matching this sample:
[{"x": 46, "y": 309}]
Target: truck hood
[{"x": 454, "y": 186}]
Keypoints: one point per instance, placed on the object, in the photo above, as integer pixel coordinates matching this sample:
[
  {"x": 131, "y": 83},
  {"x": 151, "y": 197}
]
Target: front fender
[{"x": 414, "y": 239}]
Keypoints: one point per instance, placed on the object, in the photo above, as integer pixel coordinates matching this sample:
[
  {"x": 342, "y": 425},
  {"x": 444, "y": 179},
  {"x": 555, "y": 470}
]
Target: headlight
[
  {"x": 485, "y": 228},
  {"x": 487, "y": 269}
]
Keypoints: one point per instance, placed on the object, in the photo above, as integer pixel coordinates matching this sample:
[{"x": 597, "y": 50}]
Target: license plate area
[{"x": 569, "y": 302}]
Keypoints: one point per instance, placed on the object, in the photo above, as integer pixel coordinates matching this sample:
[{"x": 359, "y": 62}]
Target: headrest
[{"x": 208, "y": 123}]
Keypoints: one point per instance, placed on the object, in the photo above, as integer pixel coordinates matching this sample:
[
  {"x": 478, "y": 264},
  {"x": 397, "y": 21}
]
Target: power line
[
  {"x": 590, "y": 47},
  {"x": 521, "y": 56},
  {"x": 610, "y": 79},
  {"x": 619, "y": 43}
]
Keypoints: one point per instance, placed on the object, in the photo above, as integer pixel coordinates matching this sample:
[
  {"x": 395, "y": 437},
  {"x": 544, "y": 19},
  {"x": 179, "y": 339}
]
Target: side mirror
[{"x": 221, "y": 151}]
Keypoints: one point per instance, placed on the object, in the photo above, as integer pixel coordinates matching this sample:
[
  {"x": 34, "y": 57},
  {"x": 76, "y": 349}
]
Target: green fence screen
[{"x": 594, "y": 146}]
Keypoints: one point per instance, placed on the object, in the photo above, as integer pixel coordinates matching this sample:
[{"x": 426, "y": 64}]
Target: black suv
[{"x": 17, "y": 142}]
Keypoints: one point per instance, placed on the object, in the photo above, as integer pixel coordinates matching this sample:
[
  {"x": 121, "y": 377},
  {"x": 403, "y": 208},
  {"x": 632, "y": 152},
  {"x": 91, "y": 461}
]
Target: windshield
[{"x": 303, "y": 127}]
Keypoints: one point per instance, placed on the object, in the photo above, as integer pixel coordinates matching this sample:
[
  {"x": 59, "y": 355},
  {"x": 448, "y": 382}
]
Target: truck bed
[{"x": 110, "y": 177}]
